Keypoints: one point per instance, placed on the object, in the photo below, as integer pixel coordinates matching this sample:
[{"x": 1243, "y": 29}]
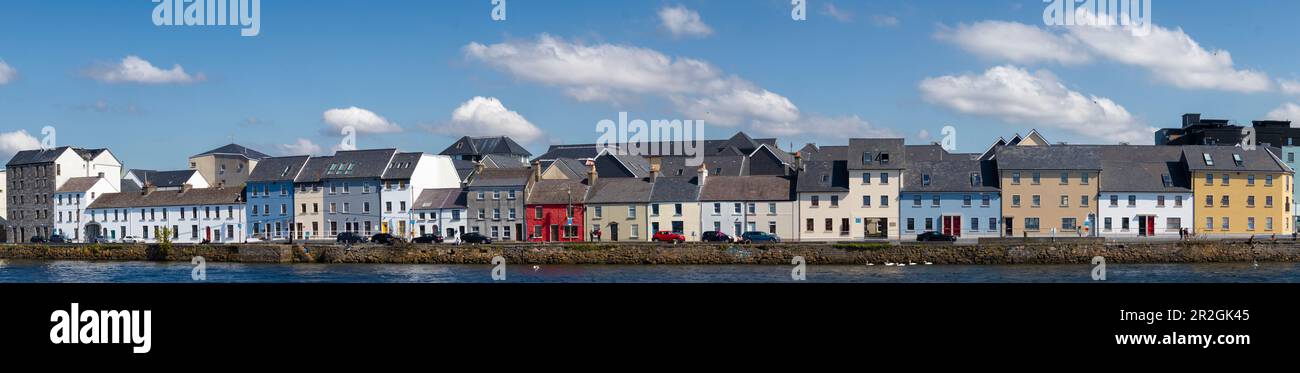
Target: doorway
[
  {"x": 875, "y": 228},
  {"x": 1008, "y": 224},
  {"x": 1146, "y": 226},
  {"x": 613, "y": 231},
  {"x": 951, "y": 225}
]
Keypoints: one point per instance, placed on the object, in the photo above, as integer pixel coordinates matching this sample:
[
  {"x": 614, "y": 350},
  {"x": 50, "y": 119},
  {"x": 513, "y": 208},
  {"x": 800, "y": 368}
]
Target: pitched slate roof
[
  {"x": 278, "y": 169},
  {"x": 78, "y": 184},
  {"x": 359, "y": 164},
  {"x": 464, "y": 168},
  {"x": 727, "y": 165},
  {"x": 1261, "y": 159},
  {"x": 1056, "y": 157},
  {"x": 503, "y": 161},
  {"x": 313, "y": 170},
  {"x": 897, "y": 156},
  {"x": 571, "y": 168},
  {"x": 824, "y": 176},
  {"x": 932, "y": 152},
  {"x": 1141, "y": 168},
  {"x": 828, "y": 153},
  {"x": 485, "y": 145},
  {"x": 726, "y": 147},
  {"x": 747, "y": 188},
  {"x": 558, "y": 191},
  {"x": 675, "y": 189},
  {"x": 501, "y": 177},
  {"x": 35, "y": 156},
  {"x": 955, "y": 173},
  {"x": 440, "y": 198},
  {"x": 402, "y": 166},
  {"x": 235, "y": 149},
  {"x": 167, "y": 179},
  {"x": 192, "y": 197},
  {"x": 620, "y": 190}
]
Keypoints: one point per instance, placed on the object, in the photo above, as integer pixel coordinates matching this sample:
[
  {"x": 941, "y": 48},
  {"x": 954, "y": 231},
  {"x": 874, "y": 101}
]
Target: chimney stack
[
  {"x": 703, "y": 173},
  {"x": 591, "y": 172},
  {"x": 186, "y": 187},
  {"x": 537, "y": 171},
  {"x": 148, "y": 189},
  {"x": 654, "y": 172},
  {"x": 798, "y": 161}
]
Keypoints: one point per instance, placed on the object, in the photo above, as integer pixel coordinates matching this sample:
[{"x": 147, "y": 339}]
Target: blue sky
[{"x": 878, "y": 68}]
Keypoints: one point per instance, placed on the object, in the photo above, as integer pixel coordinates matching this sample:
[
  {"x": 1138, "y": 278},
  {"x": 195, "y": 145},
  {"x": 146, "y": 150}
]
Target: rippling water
[{"x": 12, "y": 271}]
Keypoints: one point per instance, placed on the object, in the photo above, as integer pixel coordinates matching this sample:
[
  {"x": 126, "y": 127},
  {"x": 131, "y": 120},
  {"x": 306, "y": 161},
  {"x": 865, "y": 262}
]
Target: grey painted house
[
  {"x": 496, "y": 202},
  {"x": 352, "y": 184}
]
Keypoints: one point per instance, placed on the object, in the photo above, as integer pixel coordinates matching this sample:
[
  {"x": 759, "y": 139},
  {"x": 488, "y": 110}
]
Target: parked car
[
  {"x": 130, "y": 239},
  {"x": 752, "y": 237},
  {"x": 428, "y": 238},
  {"x": 38, "y": 239},
  {"x": 668, "y": 236},
  {"x": 474, "y": 237},
  {"x": 98, "y": 240},
  {"x": 349, "y": 237},
  {"x": 715, "y": 236},
  {"x": 58, "y": 238},
  {"x": 386, "y": 239},
  {"x": 935, "y": 237}
]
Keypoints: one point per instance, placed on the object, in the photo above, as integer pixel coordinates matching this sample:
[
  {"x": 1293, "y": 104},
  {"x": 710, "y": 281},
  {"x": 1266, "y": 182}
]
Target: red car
[{"x": 669, "y": 236}]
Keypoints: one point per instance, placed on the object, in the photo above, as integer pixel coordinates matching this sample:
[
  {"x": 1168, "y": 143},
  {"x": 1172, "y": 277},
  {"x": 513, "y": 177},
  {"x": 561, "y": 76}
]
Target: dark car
[
  {"x": 752, "y": 237},
  {"x": 473, "y": 237},
  {"x": 98, "y": 240},
  {"x": 58, "y": 238},
  {"x": 668, "y": 236},
  {"x": 935, "y": 237},
  {"x": 38, "y": 239},
  {"x": 428, "y": 238},
  {"x": 715, "y": 236},
  {"x": 350, "y": 237},
  {"x": 386, "y": 239}
]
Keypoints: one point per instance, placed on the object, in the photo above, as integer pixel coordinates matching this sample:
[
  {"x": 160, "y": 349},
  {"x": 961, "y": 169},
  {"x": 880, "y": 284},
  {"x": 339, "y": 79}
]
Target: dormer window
[
  {"x": 1236, "y": 159},
  {"x": 884, "y": 158},
  {"x": 1208, "y": 161},
  {"x": 976, "y": 180},
  {"x": 826, "y": 179},
  {"x": 1168, "y": 181},
  {"x": 868, "y": 158},
  {"x": 925, "y": 179}
]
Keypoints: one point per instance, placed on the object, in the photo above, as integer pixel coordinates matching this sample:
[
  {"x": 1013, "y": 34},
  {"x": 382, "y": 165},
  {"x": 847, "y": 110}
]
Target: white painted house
[
  {"x": 70, "y": 205},
  {"x": 188, "y": 215},
  {"x": 441, "y": 211},
  {"x": 407, "y": 176},
  {"x": 1145, "y": 191}
]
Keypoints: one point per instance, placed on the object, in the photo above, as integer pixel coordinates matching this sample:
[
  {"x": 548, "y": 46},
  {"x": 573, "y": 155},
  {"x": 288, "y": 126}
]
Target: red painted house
[{"x": 554, "y": 210}]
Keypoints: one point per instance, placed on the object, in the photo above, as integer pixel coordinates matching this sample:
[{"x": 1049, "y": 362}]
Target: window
[
  {"x": 1250, "y": 223},
  {"x": 1209, "y": 201},
  {"x": 884, "y": 201},
  {"x": 1065, "y": 178},
  {"x": 1268, "y": 180},
  {"x": 1114, "y": 200},
  {"x": 537, "y": 213},
  {"x": 1173, "y": 224},
  {"x": 1268, "y": 201},
  {"x": 1223, "y": 201},
  {"x": 1083, "y": 178},
  {"x": 976, "y": 180},
  {"x": 925, "y": 179},
  {"x": 599, "y": 213},
  {"x": 815, "y": 201},
  {"x": 1268, "y": 223},
  {"x": 1015, "y": 177},
  {"x": 1084, "y": 200},
  {"x": 1132, "y": 200},
  {"x": 654, "y": 210},
  {"x": 929, "y": 224},
  {"x": 496, "y": 214},
  {"x": 911, "y": 224},
  {"x": 1209, "y": 179},
  {"x": 1031, "y": 224},
  {"x": 1209, "y": 223},
  {"x": 966, "y": 200},
  {"x": 809, "y": 225},
  {"x": 884, "y": 178},
  {"x": 974, "y": 224},
  {"x": 1208, "y": 161},
  {"x": 830, "y": 224},
  {"x": 677, "y": 210},
  {"x": 866, "y": 178},
  {"x": 1068, "y": 224},
  {"x": 866, "y": 201},
  {"x": 835, "y": 202},
  {"x": 717, "y": 209},
  {"x": 1250, "y": 201},
  {"x": 1037, "y": 178},
  {"x": 867, "y": 158},
  {"x": 1166, "y": 180},
  {"x": 1015, "y": 200},
  {"x": 735, "y": 208},
  {"x": 1065, "y": 201},
  {"x": 1225, "y": 223},
  {"x": 631, "y": 212},
  {"x": 1037, "y": 200},
  {"x": 749, "y": 208},
  {"x": 986, "y": 200},
  {"x": 993, "y": 224},
  {"x": 1250, "y": 180},
  {"x": 1160, "y": 201},
  {"x": 1225, "y": 179},
  {"x": 916, "y": 200},
  {"x": 934, "y": 200},
  {"x": 1236, "y": 160},
  {"x": 1178, "y": 201},
  {"x": 636, "y": 231},
  {"x": 771, "y": 208},
  {"x": 1106, "y": 224}
]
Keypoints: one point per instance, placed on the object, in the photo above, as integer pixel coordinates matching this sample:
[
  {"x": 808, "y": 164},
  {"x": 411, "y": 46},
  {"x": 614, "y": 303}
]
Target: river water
[{"x": 20, "y": 271}]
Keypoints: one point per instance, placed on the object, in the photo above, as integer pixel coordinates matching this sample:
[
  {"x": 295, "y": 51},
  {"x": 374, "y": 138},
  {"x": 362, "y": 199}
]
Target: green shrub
[{"x": 861, "y": 246}]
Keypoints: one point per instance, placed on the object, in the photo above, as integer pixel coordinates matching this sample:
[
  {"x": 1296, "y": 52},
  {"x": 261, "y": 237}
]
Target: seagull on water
[{"x": 536, "y": 268}]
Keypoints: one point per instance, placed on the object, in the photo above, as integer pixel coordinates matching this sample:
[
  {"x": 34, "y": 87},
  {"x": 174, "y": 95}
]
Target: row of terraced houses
[{"x": 1204, "y": 178}]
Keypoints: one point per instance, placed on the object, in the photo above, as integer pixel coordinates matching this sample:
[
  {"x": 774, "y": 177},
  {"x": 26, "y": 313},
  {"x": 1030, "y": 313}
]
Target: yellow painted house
[{"x": 1239, "y": 192}]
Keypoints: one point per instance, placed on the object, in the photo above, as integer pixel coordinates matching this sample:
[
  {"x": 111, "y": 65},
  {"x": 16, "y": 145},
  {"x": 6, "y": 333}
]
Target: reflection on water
[{"x": 154, "y": 272}]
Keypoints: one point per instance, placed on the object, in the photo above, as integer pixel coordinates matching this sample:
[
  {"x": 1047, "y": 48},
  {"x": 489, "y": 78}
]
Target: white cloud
[
  {"x": 1014, "y": 42},
  {"x": 841, "y": 127},
  {"x": 7, "y": 73},
  {"x": 1170, "y": 55},
  {"x": 610, "y": 73},
  {"x": 13, "y": 142},
  {"x": 1017, "y": 96},
  {"x": 1288, "y": 111},
  {"x": 300, "y": 146},
  {"x": 881, "y": 20},
  {"x": 362, "y": 120},
  {"x": 683, "y": 22},
  {"x": 830, "y": 10},
  {"x": 1289, "y": 86},
  {"x": 134, "y": 69},
  {"x": 923, "y": 135},
  {"x": 486, "y": 116}
]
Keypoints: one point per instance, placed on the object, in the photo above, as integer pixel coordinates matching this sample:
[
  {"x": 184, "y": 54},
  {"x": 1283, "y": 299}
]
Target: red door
[
  {"x": 952, "y": 225},
  {"x": 1151, "y": 225}
]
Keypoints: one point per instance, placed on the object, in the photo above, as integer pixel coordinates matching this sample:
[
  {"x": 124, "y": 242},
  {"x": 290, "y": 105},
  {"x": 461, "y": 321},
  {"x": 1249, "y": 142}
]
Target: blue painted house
[
  {"x": 270, "y": 196},
  {"x": 954, "y": 194}
]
